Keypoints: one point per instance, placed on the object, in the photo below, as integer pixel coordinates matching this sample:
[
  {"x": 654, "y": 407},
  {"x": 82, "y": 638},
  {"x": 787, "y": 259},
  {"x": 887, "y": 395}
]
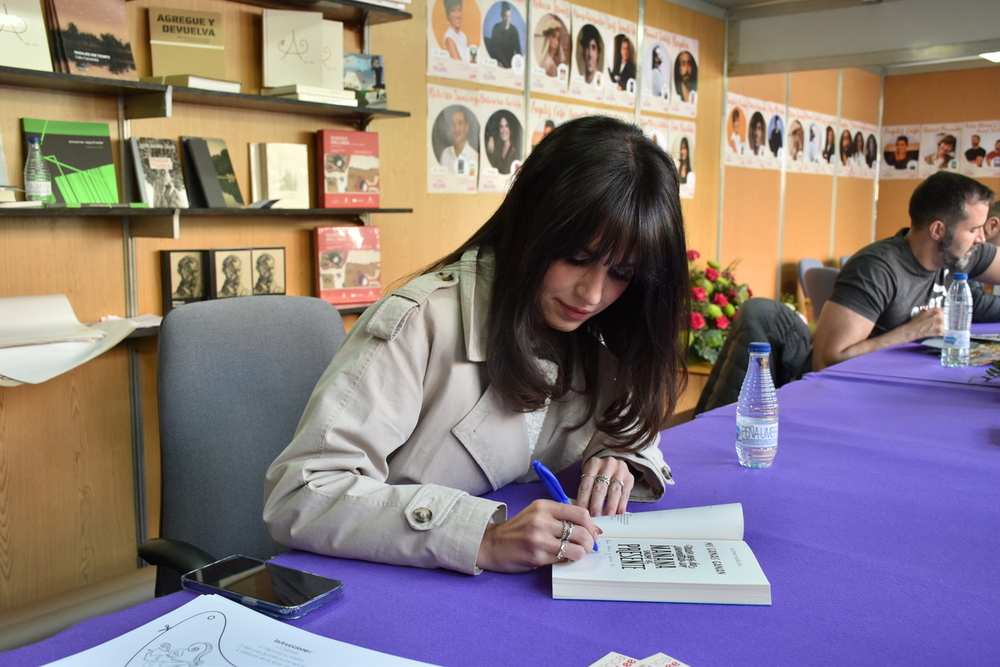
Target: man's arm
[
  {"x": 992, "y": 273},
  {"x": 842, "y": 334}
]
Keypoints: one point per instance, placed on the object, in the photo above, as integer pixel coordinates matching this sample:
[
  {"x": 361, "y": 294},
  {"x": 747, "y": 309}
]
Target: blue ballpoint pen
[{"x": 552, "y": 485}]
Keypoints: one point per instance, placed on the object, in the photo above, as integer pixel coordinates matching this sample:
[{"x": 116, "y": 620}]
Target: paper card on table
[
  {"x": 213, "y": 630},
  {"x": 615, "y": 659}
]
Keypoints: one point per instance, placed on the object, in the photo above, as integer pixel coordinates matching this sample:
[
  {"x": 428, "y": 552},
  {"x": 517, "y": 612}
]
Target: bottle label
[
  {"x": 956, "y": 338},
  {"x": 37, "y": 188},
  {"x": 756, "y": 433}
]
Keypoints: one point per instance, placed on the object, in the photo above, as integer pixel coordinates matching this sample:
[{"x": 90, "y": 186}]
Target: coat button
[
  {"x": 447, "y": 277},
  {"x": 422, "y": 515}
]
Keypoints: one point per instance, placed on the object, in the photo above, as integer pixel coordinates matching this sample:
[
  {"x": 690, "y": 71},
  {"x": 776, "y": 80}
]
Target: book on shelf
[
  {"x": 347, "y": 169},
  {"x": 91, "y": 38},
  {"x": 333, "y": 59},
  {"x": 292, "y": 48},
  {"x": 186, "y": 41},
  {"x": 280, "y": 172},
  {"x": 183, "y": 277},
  {"x": 363, "y": 73},
  {"x": 210, "y": 166},
  {"x": 195, "y": 81},
  {"x": 319, "y": 99},
  {"x": 297, "y": 89},
  {"x": 348, "y": 265},
  {"x": 158, "y": 174},
  {"x": 24, "y": 40},
  {"x": 694, "y": 554},
  {"x": 391, "y": 4},
  {"x": 80, "y": 159}
]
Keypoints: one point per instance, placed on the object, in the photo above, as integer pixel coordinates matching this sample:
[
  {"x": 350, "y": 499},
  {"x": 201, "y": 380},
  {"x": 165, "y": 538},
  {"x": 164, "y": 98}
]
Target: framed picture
[
  {"x": 268, "y": 270},
  {"x": 231, "y": 272},
  {"x": 184, "y": 277}
]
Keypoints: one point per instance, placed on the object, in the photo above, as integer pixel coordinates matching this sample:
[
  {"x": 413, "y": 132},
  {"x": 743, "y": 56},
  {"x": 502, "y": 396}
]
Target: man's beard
[{"x": 946, "y": 253}]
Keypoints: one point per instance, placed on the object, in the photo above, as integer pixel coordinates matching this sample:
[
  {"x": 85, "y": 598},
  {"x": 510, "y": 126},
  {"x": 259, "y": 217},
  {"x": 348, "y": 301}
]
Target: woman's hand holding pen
[
  {"x": 605, "y": 486},
  {"x": 543, "y": 533}
]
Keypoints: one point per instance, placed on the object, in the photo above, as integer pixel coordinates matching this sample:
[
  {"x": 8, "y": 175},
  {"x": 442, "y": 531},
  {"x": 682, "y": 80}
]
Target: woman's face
[
  {"x": 625, "y": 50},
  {"x": 845, "y": 142},
  {"x": 554, "y": 38},
  {"x": 455, "y": 17},
  {"x": 758, "y": 133},
  {"x": 829, "y": 136},
  {"x": 577, "y": 288},
  {"x": 684, "y": 150},
  {"x": 504, "y": 130}
]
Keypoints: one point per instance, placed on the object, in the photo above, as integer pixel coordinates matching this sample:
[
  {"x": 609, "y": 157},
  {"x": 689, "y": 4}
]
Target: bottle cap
[
  {"x": 34, "y": 140},
  {"x": 960, "y": 276},
  {"x": 759, "y": 348}
]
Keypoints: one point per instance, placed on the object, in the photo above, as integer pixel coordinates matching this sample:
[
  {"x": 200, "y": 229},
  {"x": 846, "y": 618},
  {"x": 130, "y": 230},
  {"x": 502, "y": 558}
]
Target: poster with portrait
[
  {"x": 543, "y": 117},
  {"x": 979, "y": 154},
  {"x": 230, "y": 272},
  {"x": 622, "y": 76},
  {"x": 682, "y": 148},
  {"x": 684, "y": 100},
  {"x": 795, "y": 141},
  {"x": 828, "y": 155},
  {"x": 505, "y": 33},
  {"x": 551, "y": 46},
  {"x": 865, "y": 151},
  {"x": 938, "y": 148},
  {"x": 267, "y": 270},
  {"x": 774, "y": 154},
  {"x": 454, "y": 39},
  {"x": 755, "y": 151},
  {"x": 658, "y": 129},
  {"x": 657, "y": 68},
  {"x": 452, "y": 140},
  {"x": 183, "y": 277},
  {"x": 736, "y": 152},
  {"x": 813, "y": 135},
  {"x": 502, "y": 139},
  {"x": 900, "y": 151},
  {"x": 592, "y": 39}
]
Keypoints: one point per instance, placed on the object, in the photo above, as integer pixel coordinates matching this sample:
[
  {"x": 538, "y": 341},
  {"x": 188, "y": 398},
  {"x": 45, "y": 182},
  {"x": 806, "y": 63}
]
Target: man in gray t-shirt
[{"x": 892, "y": 291}]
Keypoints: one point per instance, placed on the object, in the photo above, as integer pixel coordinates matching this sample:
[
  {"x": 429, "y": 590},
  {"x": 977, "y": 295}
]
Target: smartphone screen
[{"x": 283, "y": 590}]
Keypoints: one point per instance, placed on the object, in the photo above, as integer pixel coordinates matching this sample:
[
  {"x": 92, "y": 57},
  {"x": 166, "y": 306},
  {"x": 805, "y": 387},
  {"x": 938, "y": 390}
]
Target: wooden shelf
[{"x": 345, "y": 11}]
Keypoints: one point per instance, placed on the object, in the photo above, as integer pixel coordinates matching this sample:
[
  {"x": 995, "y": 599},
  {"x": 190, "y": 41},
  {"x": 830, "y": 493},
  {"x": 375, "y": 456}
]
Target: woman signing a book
[{"x": 553, "y": 334}]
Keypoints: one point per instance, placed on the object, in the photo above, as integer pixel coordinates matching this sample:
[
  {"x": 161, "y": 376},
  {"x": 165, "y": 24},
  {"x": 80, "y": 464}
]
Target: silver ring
[
  {"x": 567, "y": 530},
  {"x": 619, "y": 481},
  {"x": 588, "y": 474},
  {"x": 562, "y": 550},
  {"x": 603, "y": 479}
]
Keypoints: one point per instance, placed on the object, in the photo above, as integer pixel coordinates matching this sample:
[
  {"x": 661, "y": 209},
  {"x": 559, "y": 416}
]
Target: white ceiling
[{"x": 885, "y": 36}]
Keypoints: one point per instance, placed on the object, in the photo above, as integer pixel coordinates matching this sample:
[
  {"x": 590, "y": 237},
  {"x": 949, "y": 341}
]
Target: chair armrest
[{"x": 176, "y": 555}]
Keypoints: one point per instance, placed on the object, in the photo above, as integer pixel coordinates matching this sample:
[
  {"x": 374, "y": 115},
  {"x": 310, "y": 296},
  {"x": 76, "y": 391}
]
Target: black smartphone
[{"x": 278, "y": 591}]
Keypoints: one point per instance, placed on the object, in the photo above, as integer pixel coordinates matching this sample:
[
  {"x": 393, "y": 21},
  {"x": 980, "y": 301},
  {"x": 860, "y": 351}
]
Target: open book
[{"x": 683, "y": 555}]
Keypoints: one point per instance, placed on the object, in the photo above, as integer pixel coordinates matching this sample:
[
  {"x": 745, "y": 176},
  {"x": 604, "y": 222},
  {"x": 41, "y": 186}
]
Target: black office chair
[
  {"x": 234, "y": 376},
  {"x": 819, "y": 281}
]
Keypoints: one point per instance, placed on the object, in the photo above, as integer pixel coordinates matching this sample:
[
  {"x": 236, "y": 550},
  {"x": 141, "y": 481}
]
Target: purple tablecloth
[{"x": 877, "y": 527}]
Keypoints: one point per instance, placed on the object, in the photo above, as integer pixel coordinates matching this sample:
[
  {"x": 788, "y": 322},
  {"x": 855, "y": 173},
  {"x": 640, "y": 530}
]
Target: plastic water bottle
[
  {"x": 957, "y": 322},
  {"x": 37, "y": 178},
  {"x": 757, "y": 411}
]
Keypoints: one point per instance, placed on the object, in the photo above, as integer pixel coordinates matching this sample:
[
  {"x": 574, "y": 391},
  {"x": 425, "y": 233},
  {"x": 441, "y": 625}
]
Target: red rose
[
  {"x": 693, "y": 255},
  {"x": 711, "y": 273},
  {"x": 699, "y": 293},
  {"x": 749, "y": 293},
  {"x": 722, "y": 322},
  {"x": 720, "y": 299},
  {"x": 697, "y": 321}
]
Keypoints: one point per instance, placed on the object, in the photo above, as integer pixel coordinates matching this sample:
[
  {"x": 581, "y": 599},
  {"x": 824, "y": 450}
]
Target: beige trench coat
[{"x": 403, "y": 432}]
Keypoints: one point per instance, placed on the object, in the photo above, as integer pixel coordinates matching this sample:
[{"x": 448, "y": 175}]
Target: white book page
[{"x": 712, "y": 522}]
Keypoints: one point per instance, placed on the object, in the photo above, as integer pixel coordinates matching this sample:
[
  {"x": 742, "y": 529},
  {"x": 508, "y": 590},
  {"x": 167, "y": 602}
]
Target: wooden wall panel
[{"x": 751, "y": 210}]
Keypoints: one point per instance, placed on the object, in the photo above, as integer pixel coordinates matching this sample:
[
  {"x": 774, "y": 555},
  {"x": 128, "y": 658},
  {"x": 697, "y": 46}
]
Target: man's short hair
[
  {"x": 504, "y": 8},
  {"x": 903, "y": 139},
  {"x": 451, "y": 4},
  {"x": 944, "y": 196},
  {"x": 587, "y": 33},
  {"x": 994, "y": 211}
]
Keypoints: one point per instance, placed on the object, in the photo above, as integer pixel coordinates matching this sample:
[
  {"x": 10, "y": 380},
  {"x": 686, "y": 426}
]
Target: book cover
[
  {"x": 185, "y": 41},
  {"x": 24, "y": 38},
  {"x": 211, "y": 163},
  {"x": 80, "y": 159},
  {"x": 280, "y": 172},
  {"x": 347, "y": 169},
  {"x": 333, "y": 59},
  {"x": 230, "y": 272},
  {"x": 268, "y": 270},
  {"x": 183, "y": 277},
  {"x": 93, "y": 38},
  {"x": 292, "y": 48},
  {"x": 158, "y": 173},
  {"x": 685, "y": 555},
  {"x": 363, "y": 74},
  {"x": 348, "y": 265}
]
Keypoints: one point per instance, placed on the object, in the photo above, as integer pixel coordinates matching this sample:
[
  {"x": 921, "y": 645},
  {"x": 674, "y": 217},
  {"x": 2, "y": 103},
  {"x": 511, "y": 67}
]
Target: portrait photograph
[
  {"x": 657, "y": 66},
  {"x": 736, "y": 128},
  {"x": 590, "y": 57},
  {"x": 775, "y": 135},
  {"x": 505, "y": 34},
  {"x": 231, "y": 272},
  {"x": 455, "y": 139},
  {"x": 268, "y": 270},
  {"x": 552, "y": 46},
  {"x": 184, "y": 277}
]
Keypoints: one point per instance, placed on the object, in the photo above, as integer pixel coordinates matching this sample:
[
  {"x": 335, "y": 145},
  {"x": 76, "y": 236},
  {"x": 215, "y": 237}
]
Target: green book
[{"x": 80, "y": 159}]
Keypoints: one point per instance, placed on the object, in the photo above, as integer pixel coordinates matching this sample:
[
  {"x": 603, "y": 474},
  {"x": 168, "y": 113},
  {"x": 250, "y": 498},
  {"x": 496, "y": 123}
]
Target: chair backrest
[
  {"x": 819, "y": 281},
  {"x": 234, "y": 376},
  {"x": 843, "y": 260},
  {"x": 805, "y": 265}
]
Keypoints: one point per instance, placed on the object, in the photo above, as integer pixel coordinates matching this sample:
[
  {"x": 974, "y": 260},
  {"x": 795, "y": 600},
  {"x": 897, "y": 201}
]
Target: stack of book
[
  {"x": 91, "y": 38},
  {"x": 318, "y": 94}
]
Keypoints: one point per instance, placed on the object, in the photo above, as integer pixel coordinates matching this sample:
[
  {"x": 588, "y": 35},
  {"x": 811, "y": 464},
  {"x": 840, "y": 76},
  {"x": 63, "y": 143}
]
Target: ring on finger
[
  {"x": 616, "y": 480},
  {"x": 603, "y": 479},
  {"x": 588, "y": 474},
  {"x": 567, "y": 530},
  {"x": 562, "y": 549}
]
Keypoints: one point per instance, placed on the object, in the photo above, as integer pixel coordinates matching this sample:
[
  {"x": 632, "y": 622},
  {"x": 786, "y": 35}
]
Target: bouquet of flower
[{"x": 715, "y": 298}]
